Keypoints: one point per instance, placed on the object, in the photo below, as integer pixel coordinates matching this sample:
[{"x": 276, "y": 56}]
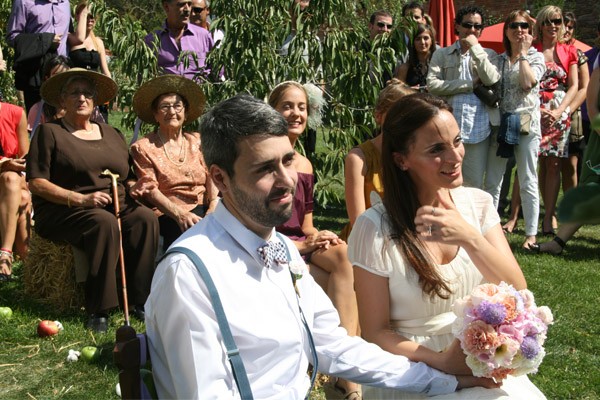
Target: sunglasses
[
  {"x": 470, "y": 25},
  {"x": 198, "y": 10},
  {"x": 384, "y": 25},
  {"x": 569, "y": 27},
  {"x": 555, "y": 22},
  {"x": 522, "y": 25}
]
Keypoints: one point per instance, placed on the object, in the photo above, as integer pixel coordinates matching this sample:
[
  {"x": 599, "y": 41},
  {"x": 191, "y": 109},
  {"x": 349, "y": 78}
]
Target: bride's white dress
[{"x": 415, "y": 315}]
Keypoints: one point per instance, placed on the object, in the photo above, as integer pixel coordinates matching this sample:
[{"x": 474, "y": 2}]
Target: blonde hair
[
  {"x": 394, "y": 90},
  {"x": 546, "y": 14},
  {"x": 315, "y": 101}
]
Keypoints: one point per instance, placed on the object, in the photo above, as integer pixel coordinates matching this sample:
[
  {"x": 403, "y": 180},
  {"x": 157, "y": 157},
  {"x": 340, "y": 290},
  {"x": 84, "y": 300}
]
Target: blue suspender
[{"x": 233, "y": 353}]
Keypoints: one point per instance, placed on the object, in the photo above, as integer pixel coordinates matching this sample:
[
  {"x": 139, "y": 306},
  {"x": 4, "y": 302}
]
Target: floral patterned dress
[{"x": 555, "y": 137}]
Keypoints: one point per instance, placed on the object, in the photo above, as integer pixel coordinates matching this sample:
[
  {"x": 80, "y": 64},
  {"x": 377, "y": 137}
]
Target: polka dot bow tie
[{"x": 272, "y": 252}]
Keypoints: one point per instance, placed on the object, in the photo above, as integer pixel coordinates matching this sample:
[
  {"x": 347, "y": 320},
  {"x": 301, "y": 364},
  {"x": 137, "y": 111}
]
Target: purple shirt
[
  {"x": 39, "y": 16},
  {"x": 194, "y": 39}
]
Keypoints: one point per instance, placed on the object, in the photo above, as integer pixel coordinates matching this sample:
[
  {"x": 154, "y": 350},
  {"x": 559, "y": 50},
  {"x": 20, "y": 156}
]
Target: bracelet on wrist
[{"x": 522, "y": 58}]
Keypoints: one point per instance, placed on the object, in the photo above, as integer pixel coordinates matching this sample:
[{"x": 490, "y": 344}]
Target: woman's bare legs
[
  {"x": 568, "y": 171},
  {"x": 515, "y": 207},
  {"x": 340, "y": 289},
  {"x": 14, "y": 205},
  {"x": 550, "y": 190}
]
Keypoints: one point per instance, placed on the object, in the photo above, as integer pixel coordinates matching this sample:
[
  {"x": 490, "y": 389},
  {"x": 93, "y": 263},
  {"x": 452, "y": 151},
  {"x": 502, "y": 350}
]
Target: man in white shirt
[{"x": 249, "y": 155}]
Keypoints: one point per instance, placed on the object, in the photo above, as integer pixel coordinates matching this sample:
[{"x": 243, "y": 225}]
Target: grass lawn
[{"x": 36, "y": 368}]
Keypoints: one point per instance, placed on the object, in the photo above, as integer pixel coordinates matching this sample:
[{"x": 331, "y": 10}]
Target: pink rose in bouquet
[{"x": 501, "y": 330}]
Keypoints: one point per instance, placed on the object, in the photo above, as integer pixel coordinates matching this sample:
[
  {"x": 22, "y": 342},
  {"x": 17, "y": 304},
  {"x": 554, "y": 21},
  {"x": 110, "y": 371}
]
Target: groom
[{"x": 249, "y": 155}]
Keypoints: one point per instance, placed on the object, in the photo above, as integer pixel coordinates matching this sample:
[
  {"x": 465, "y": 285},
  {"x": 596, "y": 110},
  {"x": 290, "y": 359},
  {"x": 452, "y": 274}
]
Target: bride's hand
[{"x": 444, "y": 224}]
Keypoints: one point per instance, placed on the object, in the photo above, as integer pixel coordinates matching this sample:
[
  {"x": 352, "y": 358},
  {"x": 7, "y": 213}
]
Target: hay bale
[{"x": 49, "y": 274}]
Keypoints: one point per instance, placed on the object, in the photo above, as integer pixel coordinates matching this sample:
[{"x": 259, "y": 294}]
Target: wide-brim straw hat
[
  {"x": 106, "y": 88},
  {"x": 186, "y": 88}
]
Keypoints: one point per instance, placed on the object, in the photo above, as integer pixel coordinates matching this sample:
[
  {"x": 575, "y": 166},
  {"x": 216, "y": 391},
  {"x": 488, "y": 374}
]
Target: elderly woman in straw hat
[
  {"x": 172, "y": 174},
  {"x": 72, "y": 196}
]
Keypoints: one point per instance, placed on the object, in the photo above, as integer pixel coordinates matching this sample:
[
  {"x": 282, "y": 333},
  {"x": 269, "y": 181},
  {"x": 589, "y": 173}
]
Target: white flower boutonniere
[{"x": 297, "y": 269}]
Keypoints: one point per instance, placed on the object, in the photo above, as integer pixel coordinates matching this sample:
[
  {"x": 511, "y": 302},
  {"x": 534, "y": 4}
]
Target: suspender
[{"x": 233, "y": 353}]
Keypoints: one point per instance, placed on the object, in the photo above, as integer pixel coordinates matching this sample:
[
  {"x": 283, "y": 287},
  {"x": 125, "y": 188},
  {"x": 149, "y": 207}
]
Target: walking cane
[{"x": 115, "y": 193}]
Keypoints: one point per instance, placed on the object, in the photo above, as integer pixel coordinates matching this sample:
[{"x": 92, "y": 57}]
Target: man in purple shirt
[
  {"x": 38, "y": 30},
  {"x": 179, "y": 39}
]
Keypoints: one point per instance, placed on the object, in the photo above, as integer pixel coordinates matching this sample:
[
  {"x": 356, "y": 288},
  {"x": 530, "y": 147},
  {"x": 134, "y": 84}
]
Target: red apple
[{"x": 47, "y": 328}]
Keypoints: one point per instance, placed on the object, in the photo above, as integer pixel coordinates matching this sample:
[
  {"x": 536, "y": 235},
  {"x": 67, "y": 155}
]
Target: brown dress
[{"x": 76, "y": 164}]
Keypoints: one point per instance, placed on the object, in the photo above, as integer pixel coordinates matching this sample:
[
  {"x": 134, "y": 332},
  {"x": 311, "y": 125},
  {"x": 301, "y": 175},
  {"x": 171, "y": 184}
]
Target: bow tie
[{"x": 272, "y": 252}]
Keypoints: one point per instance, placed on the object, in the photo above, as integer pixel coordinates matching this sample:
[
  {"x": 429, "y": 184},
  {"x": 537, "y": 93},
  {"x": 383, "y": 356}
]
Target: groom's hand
[{"x": 466, "y": 381}]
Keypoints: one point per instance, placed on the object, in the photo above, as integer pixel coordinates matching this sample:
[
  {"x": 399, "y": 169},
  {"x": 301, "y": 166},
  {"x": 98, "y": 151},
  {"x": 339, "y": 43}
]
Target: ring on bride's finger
[
  {"x": 433, "y": 211},
  {"x": 429, "y": 229}
]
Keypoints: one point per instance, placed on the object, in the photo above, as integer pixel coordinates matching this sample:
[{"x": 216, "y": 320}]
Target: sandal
[
  {"x": 6, "y": 258},
  {"x": 537, "y": 248},
  {"x": 335, "y": 392}
]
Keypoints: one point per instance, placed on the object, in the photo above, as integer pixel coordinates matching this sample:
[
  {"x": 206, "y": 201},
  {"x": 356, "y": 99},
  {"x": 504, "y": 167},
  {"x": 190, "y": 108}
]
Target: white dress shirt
[{"x": 186, "y": 346}]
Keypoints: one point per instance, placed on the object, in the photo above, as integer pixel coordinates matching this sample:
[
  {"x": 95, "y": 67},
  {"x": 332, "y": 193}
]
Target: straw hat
[
  {"x": 106, "y": 88},
  {"x": 186, "y": 88}
]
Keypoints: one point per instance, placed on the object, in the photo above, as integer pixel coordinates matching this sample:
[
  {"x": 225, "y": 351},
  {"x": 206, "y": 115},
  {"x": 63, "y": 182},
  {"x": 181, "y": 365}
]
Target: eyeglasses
[
  {"x": 555, "y": 22},
  {"x": 178, "y": 107},
  {"x": 198, "y": 10},
  {"x": 522, "y": 25},
  {"x": 384, "y": 25},
  {"x": 470, "y": 25},
  {"x": 88, "y": 94},
  {"x": 569, "y": 27}
]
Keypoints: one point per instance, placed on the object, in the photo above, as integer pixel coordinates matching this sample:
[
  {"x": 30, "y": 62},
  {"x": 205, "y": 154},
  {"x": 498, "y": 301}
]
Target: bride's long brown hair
[{"x": 405, "y": 117}]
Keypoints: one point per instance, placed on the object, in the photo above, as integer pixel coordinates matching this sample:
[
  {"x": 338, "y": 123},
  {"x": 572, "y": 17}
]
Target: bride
[{"x": 429, "y": 243}]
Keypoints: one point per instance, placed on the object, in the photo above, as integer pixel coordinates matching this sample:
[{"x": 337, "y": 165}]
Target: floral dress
[{"x": 555, "y": 137}]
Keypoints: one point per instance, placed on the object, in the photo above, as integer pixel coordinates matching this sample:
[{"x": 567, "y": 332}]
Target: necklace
[
  {"x": 182, "y": 152},
  {"x": 72, "y": 129}
]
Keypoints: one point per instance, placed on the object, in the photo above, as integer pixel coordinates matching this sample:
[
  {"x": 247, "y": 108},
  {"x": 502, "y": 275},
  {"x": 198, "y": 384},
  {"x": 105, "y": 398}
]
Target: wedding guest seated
[
  {"x": 15, "y": 202},
  {"x": 324, "y": 251},
  {"x": 172, "y": 175},
  {"x": 72, "y": 196},
  {"x": 429, "y": 243},
  {"x": 362, "y": 170}
]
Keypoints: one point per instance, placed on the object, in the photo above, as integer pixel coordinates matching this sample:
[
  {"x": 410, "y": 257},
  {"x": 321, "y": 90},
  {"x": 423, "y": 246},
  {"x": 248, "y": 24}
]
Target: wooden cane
[{"x": 115, "y": 193}]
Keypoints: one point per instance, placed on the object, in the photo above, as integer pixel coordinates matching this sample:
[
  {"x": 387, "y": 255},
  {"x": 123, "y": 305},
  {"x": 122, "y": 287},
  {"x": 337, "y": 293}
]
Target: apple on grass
[
  {"x": 5, "y": 313},
  {"x": 90, "y": 353},
  {"x": 48, "y": 328}
]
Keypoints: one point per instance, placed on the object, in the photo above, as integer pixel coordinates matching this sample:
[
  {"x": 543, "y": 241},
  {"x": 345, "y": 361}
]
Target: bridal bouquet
[{"x": 501, "y": 330}]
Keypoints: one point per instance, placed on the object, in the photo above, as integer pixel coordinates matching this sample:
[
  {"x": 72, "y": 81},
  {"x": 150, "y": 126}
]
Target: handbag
[
  {"x": 576, "y": 133},
  {"x": 525, "y": 123},
  {"x": 489, "y": 95}
]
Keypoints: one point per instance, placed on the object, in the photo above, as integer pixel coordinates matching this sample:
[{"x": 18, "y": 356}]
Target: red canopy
[
  {"x": 442, "y": 14},
  {"x": 491, "y": 37}
]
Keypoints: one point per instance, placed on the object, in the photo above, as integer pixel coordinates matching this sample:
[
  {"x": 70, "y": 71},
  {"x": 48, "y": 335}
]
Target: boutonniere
[{"x": 297, "y": 269}]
